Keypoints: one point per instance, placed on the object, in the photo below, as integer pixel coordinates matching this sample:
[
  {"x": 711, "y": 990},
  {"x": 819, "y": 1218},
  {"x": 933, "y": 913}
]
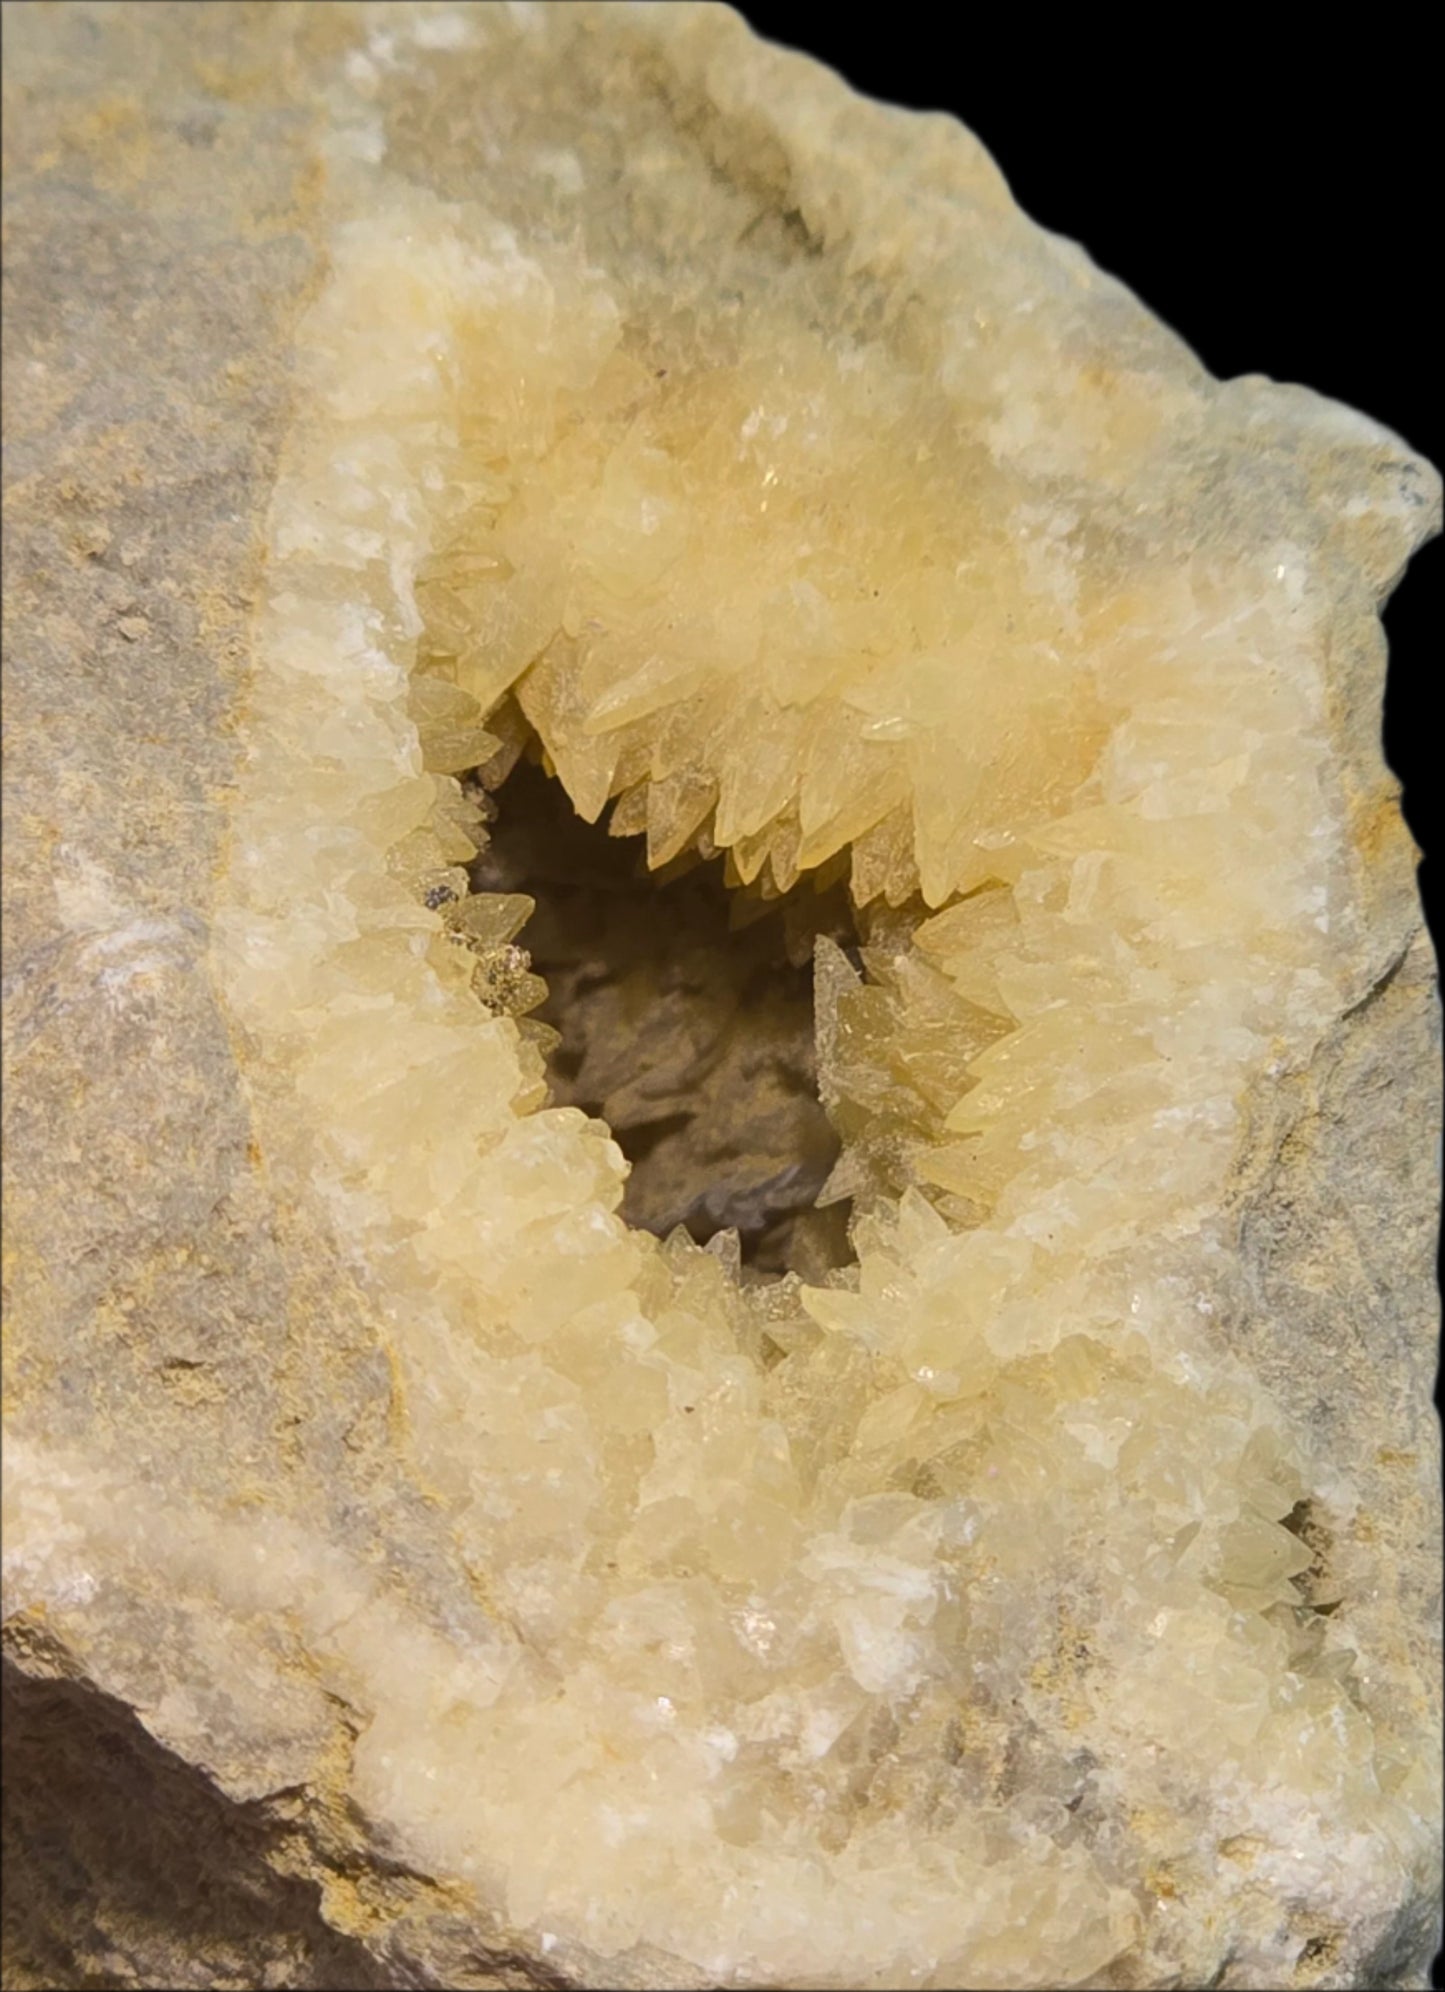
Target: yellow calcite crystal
[{"x": 944, "y": 1620}]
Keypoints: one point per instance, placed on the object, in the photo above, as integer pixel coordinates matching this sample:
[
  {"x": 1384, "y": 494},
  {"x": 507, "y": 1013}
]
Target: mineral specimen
[{"x": 1004, "y": 1580}]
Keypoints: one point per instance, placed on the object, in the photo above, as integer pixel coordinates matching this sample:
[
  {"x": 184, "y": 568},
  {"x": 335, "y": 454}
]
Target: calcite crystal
[{"x": 1037, "y": 1597}]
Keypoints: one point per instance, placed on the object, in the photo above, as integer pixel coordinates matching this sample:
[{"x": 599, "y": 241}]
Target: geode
[{"x": 968, "y": 1518}]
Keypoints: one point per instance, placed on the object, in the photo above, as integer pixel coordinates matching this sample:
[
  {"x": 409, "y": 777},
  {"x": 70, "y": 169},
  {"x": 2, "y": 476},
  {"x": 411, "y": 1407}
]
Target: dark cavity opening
[{"x": 686, "y": 1023}]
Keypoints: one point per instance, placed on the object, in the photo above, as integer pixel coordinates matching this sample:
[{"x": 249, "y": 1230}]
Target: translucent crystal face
[{"x": 917, "y": 1609}]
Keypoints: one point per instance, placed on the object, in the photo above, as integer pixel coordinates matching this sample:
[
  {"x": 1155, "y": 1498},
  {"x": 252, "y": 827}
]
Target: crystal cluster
[{"x": 942, "y": 1621}]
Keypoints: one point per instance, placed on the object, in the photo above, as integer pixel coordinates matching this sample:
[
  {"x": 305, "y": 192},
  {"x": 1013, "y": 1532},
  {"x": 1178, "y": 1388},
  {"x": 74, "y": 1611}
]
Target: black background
[{"x": 1272, "y": 194}]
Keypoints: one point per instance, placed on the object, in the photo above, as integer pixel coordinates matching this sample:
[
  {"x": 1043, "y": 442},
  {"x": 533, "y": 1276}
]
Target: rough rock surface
[{"x": 202, "y": 1378}]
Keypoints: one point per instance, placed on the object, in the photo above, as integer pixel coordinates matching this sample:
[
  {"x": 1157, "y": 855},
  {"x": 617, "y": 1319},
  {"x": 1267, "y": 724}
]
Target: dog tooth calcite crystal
[{"x": 1035, "y": 1599}]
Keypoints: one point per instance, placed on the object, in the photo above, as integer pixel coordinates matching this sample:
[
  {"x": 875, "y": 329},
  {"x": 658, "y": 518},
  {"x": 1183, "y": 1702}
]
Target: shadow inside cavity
[{"x": 690, "y": 1034}]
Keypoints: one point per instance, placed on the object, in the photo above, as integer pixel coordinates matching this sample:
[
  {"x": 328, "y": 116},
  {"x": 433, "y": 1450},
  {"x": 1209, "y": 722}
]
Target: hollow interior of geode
[{"x": 684, "y": 1017}]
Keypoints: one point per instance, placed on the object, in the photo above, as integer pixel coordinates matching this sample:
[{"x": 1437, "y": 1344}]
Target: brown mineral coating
[{"x": 161, "y": 242}]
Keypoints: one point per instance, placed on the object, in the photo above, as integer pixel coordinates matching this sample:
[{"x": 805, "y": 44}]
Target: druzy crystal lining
[{"x": 824, "y": 1613}]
